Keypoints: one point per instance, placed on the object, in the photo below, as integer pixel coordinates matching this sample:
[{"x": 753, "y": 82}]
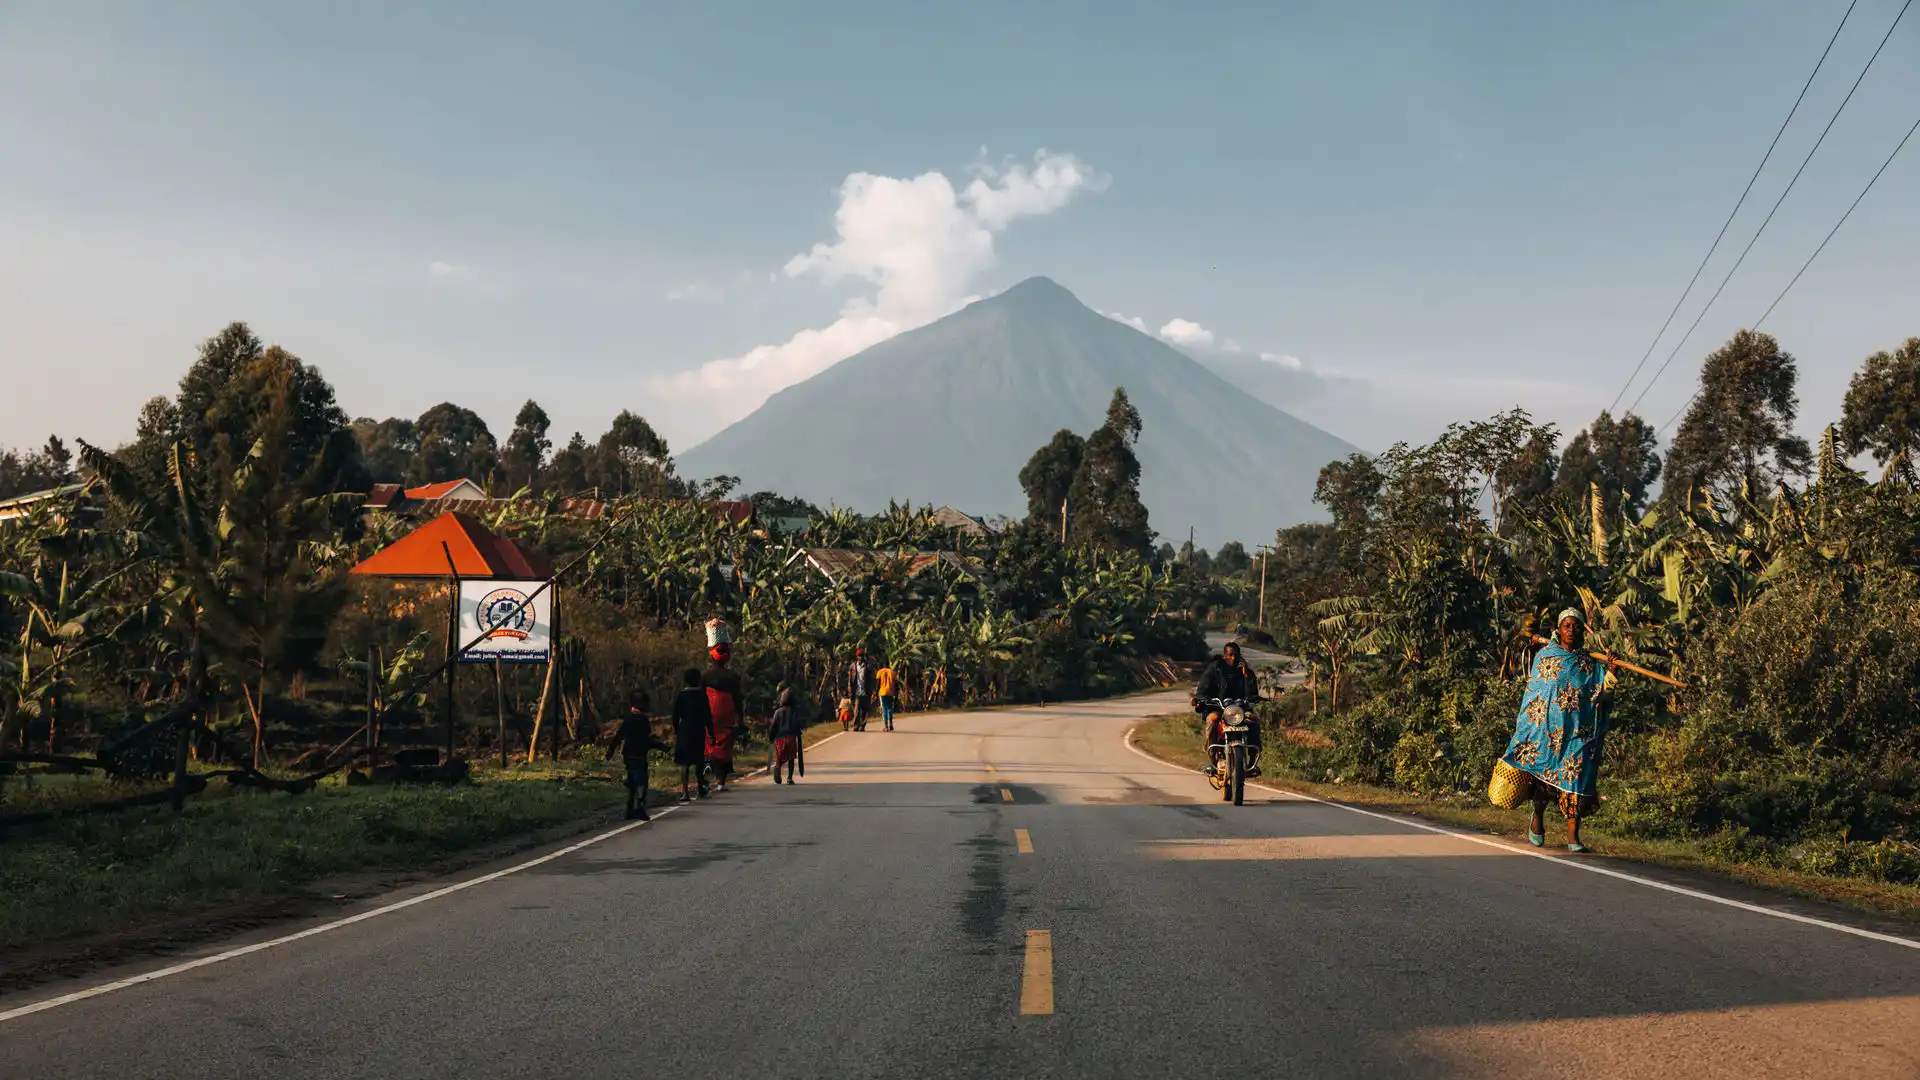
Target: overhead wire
[
  {"x": 1770, "y": 213},
  {"x": 1816, "y": 252},
  {"x": 1738, "y": 203}
]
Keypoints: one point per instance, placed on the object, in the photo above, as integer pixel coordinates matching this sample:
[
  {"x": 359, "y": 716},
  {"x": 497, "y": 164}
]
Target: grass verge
[
  {"x": 1176, "y": 739},
  {"x": 235, "y": 851}
]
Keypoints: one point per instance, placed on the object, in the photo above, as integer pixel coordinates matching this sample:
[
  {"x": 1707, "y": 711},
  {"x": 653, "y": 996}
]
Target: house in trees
[
  {"x": 912, "y": 569},
  {"x": 445, "y": 495},
  {"x": 960, "y": 521},
  {"x": 72, "y": 497}
]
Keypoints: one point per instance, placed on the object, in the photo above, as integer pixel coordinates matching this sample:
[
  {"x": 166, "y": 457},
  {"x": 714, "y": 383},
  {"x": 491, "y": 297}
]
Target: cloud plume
[{"x": 916, "y": 245}]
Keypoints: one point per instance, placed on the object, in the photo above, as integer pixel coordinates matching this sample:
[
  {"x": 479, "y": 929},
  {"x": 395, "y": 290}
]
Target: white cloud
[
  {"x": 461, "y": 274},
  {"x": 917, "y": 245},
  {"x": 1134, "y": 321},
  {"x": 1183, "y": 332},
  {"x": 1291, "y": 363},
  {"x": 693, "y": 290}
]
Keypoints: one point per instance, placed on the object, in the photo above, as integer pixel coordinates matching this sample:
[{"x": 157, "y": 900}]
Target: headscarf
[
  {"x": 720, "y": 652},
  {"x": 1570, "y": 613}
]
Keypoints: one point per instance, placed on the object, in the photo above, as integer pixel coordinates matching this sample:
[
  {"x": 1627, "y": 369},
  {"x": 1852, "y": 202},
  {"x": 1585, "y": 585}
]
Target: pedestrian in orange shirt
[{"x": 883, "y": 683}]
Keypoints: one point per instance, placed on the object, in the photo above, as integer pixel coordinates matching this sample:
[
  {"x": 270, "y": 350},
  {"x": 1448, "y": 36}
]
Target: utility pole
[
  {"x": 453, "y": 642},
  {"x": 1063, "y": 522},
  {"x": 1189, "y": 571},
  {"x": 1263, "y": 589}
]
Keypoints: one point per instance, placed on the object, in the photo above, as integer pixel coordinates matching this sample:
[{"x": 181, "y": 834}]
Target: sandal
[
  {"x": 1536, "y": 839},
  {"x": 1578, "y": 849}
]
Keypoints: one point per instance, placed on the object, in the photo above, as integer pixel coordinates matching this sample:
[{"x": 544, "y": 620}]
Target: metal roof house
[
  {"x": 21, "y": 505},
  {"x": 840, "y": 565}
]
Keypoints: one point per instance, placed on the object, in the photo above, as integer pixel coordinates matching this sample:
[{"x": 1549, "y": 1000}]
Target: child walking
[
  {"x": 634, "y": 740},
  {"x": 784, "y": 730},
  {"x": 692, "y": 728}
]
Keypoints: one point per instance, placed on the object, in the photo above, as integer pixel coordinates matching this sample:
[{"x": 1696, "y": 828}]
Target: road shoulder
[{"x": 1871, "y": 906}]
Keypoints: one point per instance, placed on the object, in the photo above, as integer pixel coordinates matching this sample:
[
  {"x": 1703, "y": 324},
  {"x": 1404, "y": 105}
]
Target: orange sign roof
[{"x": 476, "y": 550}]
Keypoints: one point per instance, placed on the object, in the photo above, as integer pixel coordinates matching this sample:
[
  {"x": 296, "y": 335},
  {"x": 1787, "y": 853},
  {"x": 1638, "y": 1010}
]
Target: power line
[
  {"x": 1776, "y": 207},
  {"x": 1837, "y": 224},
  {"x": 1816, "y": 252},
  {"x": 1742, "y": 201}
]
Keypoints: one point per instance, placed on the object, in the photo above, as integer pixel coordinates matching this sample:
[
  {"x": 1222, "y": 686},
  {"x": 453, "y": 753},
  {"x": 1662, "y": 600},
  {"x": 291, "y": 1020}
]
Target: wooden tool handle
[{"x": 1609, "y": 658}]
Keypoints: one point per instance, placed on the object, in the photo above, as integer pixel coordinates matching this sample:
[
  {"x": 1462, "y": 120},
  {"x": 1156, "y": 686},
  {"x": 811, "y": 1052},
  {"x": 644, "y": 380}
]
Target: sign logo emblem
[{"x": 499, "y": 618}]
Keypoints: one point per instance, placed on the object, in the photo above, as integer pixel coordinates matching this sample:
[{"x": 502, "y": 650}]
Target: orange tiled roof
[{"x": 477, "y": 552}]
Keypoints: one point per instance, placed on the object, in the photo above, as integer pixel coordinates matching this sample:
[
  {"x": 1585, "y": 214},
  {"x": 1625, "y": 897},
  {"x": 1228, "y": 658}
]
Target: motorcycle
[{"x": 1231, "y": 757}]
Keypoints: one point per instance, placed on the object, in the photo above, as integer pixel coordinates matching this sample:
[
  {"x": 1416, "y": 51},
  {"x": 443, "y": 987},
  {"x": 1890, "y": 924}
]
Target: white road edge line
[
  {"x": 313, "y": 931},
  {"x": 1557, "y": 860}
]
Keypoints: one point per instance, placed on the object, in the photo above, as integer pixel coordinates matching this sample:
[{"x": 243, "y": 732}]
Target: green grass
[
  {"x": 235, "y": 848},
  {"x": 1176, "y": 739}
]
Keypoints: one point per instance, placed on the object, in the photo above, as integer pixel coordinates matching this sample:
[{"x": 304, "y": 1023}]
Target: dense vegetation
[
  {"x": 204, "y": 588},
  {"x": 1779, "y": 584}
]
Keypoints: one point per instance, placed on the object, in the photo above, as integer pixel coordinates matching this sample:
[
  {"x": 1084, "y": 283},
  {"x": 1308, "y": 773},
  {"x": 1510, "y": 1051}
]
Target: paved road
[{"x": 874, "y": 922}]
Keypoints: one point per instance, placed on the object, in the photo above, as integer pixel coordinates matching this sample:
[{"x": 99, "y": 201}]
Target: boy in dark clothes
[
  {"x": 634, "y": 740},
  {"x": 785, "y": 730},
  {"x": 692, "y": 728}
]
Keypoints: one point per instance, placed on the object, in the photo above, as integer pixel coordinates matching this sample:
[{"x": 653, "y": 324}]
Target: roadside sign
[{"x": 516, "y": 631}]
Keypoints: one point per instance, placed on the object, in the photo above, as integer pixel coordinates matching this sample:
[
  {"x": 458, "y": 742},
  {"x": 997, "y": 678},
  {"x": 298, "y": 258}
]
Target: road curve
[{"x": 1017, "y": 893}]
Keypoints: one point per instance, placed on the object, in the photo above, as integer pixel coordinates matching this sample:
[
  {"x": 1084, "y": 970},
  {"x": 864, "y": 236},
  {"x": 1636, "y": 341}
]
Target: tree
[
  {"x": 633, "y": 459},
  {"x": 1621, "y": 456},
  {"x": 156, "y": 430},
  {"x": 1107, "y": 513},
  {"x": 387, "y": 448},
  {"x": 1231, "y": 560},
  {"x": 1525, "y": 477},
  {"x": 1882, "y": 411},
  {"x": 453, "y": 442},
  {"x": 1047, "y": 478},
  {"x": 527, "y": 446},
  {"x": 571, "y": 470},
  {"x": 1738, "y": 433},
  {"x": 48, "y": 467},
  {"x": 771, "y": 504},
  {"x": 1350, "y": 490}
]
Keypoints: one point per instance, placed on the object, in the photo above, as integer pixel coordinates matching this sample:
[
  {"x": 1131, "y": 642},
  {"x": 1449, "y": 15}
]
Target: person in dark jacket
[
  {"x": 785, "y": 730},
  {"x": 635, "y": 740},
  {"x": 859, "y": 684},
  {"x": 692, "y": 730},
  {"x": 1230, "y": 678}
]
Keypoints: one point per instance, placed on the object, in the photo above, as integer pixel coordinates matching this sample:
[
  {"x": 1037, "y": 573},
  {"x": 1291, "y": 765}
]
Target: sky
[{"x": 1455, "y": 208}]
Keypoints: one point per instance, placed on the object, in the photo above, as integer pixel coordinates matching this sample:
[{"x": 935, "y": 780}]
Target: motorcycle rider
[{"x": 1229, "y": 677}]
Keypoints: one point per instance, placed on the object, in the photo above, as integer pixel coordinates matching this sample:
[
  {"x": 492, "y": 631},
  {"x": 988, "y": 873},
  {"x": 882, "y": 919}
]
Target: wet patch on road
[
  {"x": 983, "y": 910},
  {"x": 1003, "y": 794}
]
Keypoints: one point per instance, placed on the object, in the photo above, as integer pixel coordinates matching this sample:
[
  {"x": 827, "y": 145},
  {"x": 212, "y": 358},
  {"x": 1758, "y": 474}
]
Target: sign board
[{"x": 516, "y": 631}]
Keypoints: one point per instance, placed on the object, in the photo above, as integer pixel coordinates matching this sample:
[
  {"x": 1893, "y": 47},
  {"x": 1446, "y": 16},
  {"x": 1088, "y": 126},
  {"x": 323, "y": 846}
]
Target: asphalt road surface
[{"x": 1016, "y": 894}]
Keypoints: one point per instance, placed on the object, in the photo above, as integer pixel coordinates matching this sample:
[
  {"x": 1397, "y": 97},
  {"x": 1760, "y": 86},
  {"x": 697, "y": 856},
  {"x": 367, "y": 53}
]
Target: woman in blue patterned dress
[{"x": 1558, "y": 734}]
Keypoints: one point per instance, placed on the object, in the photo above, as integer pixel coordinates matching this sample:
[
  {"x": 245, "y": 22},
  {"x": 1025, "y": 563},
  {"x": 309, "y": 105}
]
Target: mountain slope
[{"x": 949, "y": 413}]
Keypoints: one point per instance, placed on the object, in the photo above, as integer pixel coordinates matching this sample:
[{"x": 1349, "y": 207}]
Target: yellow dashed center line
[
  {"x": 1006, "y": 795},
  {"x": 1023, "y": 840},
  {"x": 1036, "y": 980}
]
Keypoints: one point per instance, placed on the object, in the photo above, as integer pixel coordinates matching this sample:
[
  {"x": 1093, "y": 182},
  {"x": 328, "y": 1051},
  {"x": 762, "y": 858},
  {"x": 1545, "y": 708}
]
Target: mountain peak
[{"x": 1038, "y": 292}]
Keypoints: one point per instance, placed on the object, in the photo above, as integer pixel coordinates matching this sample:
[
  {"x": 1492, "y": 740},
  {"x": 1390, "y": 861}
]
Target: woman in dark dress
[{"x": 692, "y": 729}]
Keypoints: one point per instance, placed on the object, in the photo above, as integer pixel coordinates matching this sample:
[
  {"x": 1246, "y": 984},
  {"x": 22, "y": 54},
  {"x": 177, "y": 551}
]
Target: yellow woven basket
[{"x": 1509, "y": 786}]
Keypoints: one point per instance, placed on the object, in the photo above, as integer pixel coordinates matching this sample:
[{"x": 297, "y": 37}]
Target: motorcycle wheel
[
  {"x": 1226, "y": 774},
  {"x": 1238, "y": 781}
]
